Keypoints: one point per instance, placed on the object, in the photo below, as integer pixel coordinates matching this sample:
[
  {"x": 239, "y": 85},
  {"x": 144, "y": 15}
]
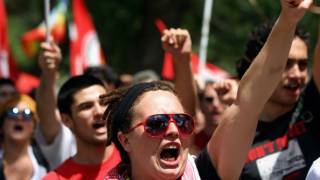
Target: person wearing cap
[{"x": 22, "y": 159}]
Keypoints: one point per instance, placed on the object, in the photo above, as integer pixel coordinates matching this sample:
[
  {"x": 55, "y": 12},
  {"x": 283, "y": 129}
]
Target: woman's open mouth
[
  {"x": 18, "y": 128},
  {"x": 170, "y": 154}
]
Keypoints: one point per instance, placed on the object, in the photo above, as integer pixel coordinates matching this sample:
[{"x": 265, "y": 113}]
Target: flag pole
[
  {"x": 205, "y": 35},
  {"x": 47, "y": 25}
]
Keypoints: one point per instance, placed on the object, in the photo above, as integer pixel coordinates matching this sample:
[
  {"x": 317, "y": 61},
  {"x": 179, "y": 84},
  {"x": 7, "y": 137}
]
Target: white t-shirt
[
  {"x": 314, "y": 171},
  {"x": 63, "y": 146},
  {"x": 39, "y": 170}
]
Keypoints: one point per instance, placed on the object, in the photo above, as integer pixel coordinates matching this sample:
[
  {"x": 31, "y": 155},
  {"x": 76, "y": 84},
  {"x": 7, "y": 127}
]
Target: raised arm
[
  {"x": 316, "y": 62},
  {"x": 49, "y": 116},
  {"x": 178, "y": 43},
  {"x": 231, "y": 141}
]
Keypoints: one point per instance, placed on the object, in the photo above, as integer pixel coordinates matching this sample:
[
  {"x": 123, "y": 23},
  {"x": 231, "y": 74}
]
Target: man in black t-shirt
[{"x": 287, "y": 139}]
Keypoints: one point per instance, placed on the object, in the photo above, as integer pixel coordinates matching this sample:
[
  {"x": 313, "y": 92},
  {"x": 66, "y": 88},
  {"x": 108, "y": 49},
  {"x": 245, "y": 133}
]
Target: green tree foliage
[{"x": 131, "y": 41}]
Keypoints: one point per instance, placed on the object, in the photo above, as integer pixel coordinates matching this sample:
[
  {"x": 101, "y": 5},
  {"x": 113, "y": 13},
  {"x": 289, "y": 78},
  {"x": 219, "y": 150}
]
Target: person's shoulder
[
  {"x": 63, "y": 170},
  {"x": 316, "y": 164},
  {"x": 114, "y": 159},
  {"x": 66, "y": 165},
  {"x": 314, "y": 172}
]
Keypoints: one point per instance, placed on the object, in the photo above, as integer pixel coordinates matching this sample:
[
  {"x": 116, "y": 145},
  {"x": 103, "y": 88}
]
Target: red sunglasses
[{"x": 156, "y": 125}]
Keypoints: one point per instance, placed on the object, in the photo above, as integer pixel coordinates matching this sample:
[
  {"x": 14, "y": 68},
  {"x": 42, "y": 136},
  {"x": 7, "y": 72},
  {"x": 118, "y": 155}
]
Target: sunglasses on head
[
  {"x": 156, "y": 125},
  {"x": 13, "y": 113}
]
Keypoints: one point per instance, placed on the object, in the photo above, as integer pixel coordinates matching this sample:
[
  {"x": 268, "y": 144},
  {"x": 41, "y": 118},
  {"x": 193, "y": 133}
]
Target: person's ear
[
  {"x": 67, "y": 121},
  {"x": 124, "y": 141}
]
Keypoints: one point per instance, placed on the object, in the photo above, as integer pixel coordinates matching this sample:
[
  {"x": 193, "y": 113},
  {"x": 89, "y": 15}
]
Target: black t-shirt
[
  {"x": 286, "y": 147},
  {"x": 205, "y": 167}
]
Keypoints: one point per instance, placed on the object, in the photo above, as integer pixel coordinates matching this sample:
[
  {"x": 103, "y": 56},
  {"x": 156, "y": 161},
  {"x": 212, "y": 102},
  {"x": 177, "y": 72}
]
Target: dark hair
[
  {"x": 104, "y": 73},
  {"x": 72, "y": 86},
  {"x": 202, "y": 91},
  {"x": 119, "y": 112},
  {"x": 256, "y": 41},
  {"x": 7, "y": 81}
]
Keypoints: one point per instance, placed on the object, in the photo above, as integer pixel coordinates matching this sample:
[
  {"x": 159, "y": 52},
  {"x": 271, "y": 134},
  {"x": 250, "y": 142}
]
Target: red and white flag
[
  {"x": 7, "y": 64},
  {"x": 211, "y": 72},
  {"x": 85, "y": 49}
]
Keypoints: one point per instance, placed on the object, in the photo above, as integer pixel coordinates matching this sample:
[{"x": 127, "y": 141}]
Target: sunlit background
[{"x": 130, "y": 40}]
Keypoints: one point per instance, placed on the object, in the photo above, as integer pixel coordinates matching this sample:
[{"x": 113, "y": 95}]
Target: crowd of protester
[{"x": 101, "y": 125}]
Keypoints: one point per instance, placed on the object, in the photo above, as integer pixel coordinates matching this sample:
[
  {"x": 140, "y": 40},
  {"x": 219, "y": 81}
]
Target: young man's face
[
  {"x": 86, "y": 114},
  {"x": 294, "y": 77}
]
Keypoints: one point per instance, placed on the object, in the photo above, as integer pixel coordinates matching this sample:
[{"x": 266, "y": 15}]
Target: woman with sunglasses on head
[
  {"x": 149, "y": 126},
  {"x": 22, "y": 158}
]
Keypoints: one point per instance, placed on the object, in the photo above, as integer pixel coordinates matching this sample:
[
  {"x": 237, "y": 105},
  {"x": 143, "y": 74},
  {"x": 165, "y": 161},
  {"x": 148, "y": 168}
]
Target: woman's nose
[{"x": 172, "y": 130}]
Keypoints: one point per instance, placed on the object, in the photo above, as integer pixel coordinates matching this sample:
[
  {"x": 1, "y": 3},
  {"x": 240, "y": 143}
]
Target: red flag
[
  {"x": 85, "y": 49},
  {"x": 211, "y": 71},
  {"x": 25, "y": 82},
  {"x": 7, "y": 64},
  {"x": 57, "y": 21},
  {"x": 8, "y": 68},
  {"x": 160, "y": 25},
  {"x": 4, "y": 46},
  {"x": 167, "y": 67}
]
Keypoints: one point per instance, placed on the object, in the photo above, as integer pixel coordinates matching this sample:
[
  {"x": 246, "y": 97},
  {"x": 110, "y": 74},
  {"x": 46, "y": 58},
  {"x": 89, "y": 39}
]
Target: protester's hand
[
  {"x": 176, "y": 41},
  {"x": 294, "y": 10},
  {"x": 49, "y": 58},
  {"x": 226, "y": 90}
]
